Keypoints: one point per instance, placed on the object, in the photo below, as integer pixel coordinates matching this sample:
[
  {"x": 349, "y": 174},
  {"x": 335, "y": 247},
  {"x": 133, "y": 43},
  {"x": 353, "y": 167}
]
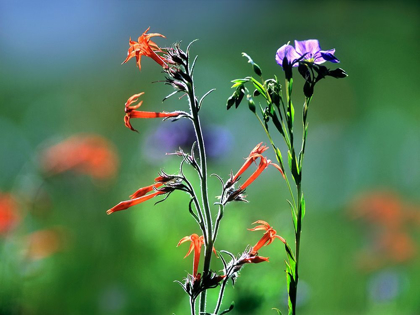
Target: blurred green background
[{"x": 60, "y": 76}]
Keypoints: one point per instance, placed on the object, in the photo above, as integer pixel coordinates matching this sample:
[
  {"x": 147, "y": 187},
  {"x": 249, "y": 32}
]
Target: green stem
[
  {"x": 220, "y": 298},
  {"x": 297, "y": 249},
  {"x": 208, "y": 237}
]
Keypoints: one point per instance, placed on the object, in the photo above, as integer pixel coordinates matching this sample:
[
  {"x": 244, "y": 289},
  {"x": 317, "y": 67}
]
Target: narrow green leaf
[
  {"x": 294, "y": 216},
  {"x": 302, "y": 207},
  {"x": 277, "y": 310},
  {"x": 259, "y": 87},
  {"x": 279, "y": 157},
  {"x": 292, "y": 111},
  {"x": 238, "y": 82},
  {"x": 290, "y": 159},
  {"x": 290, "y": 254}
]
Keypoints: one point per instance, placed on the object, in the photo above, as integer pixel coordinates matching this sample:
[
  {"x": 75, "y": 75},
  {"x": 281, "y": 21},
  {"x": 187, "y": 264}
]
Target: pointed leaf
[
  {"x": 238, "y": 82},
  {"x": 294, "y": 216},
  {"x": 302, "y": 207}
]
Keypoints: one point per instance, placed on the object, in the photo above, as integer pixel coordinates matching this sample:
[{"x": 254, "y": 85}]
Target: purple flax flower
[{"x": 306, "y": 50}]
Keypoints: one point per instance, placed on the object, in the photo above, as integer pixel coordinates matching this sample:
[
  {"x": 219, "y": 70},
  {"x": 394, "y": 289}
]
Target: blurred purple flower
[
  {"x": 171, "y": 137},
  {"x": 387, "y": 285},
  {"x": 306, "y": 50}
]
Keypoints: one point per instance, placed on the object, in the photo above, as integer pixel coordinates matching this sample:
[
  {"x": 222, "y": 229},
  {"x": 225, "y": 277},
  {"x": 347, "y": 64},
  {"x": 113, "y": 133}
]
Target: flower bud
[
  {"x": 257, "y": 69},
  {"x": 240, "y": 96},
  {"x": 231, "y": 100},
  {"x": 308, "y": 89},
  {"x": 287, "y": 67},
  {"x": 251, "y": 103},
  {"x": 338, "y": 73}
]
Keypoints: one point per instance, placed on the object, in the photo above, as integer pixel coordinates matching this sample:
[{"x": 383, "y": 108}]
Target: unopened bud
[
  {"x": 257, "y": 69},
  {"x": 308, "y": 89},
  {"x": 251, "y": 103},
  {"x": 338, "y": 73},
  {"x": 231, "y": 100}
]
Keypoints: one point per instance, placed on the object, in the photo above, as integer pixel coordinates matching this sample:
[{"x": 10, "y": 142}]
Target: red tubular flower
[
  {"x": 145, "y": 47},
  {"x": 267, "y": 238},
  {"x": 196, "y": 243},
  {"x": 131, "y": 112},
  {"x": 144, "y": 190},
  {"x": 132, "y": 202},
  {"x": 255, "y": 154},
  {"x": 252, "y": 260},
  {"x": 261, "y": 167},
  {"x": 252, "y": 157}
]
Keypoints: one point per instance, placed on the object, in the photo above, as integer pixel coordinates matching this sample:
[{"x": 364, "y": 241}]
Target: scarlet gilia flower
[
  {"x": 256, "y": 153},
  {"x": 145, "y": 47},
  {"x": 131, "y": 112},
  {"x": 268, "y": 237},
  {"x": 141, "y": 196},
  {"x": 252, "y": 157},
  {"x": 196, "y": 243},
  {"x": 86, "y": 153}
]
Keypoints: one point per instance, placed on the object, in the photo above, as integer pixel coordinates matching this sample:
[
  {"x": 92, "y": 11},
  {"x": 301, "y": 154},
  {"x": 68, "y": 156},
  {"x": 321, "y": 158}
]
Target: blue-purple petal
[
  {"x": 310, "y": 46},
  {"x": 328, "y": 55},
  {"x": 287, "y": 51}
]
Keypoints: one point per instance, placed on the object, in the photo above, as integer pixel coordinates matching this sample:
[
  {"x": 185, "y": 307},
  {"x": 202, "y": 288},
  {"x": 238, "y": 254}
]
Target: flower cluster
[
  {"x": 277, "y": 107},
  {"x": 307, "y": 56}
]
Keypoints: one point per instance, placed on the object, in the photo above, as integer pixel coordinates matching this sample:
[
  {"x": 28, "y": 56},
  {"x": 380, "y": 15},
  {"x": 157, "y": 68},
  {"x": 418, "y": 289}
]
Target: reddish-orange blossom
[
  {"x": 145, "y": 47},
  {"x": 268, "y": 237}
]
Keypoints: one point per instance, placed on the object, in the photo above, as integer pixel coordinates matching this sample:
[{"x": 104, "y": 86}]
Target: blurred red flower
[
  {"x": 389, "y": 219},
  {"x": 87, "y": 154},
  {"x": 9, "y": 215},
  {"x": 44, "y": 243}
]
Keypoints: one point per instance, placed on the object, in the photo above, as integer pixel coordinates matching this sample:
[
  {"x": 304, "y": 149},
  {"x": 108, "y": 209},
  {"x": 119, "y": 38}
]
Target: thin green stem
[
  {"x": 217, "y": 224},
  {"x": 273, "y": 145},
  {"x": 220, "y": 298},
  {"x": 197, "y": 206},
  {"x": 297, "y": 249}
]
